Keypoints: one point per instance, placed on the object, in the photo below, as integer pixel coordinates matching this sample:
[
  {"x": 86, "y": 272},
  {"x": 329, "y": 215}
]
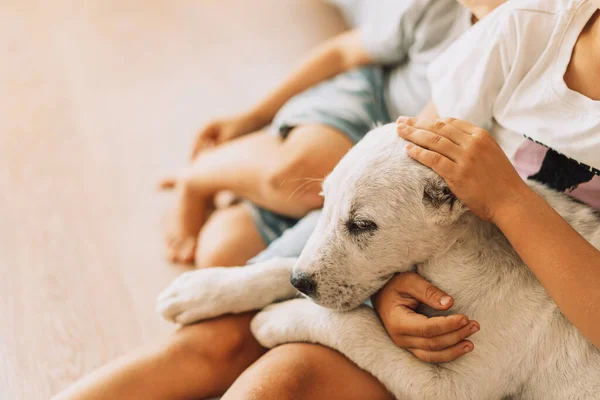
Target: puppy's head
[{"x": 383, "y": 213}]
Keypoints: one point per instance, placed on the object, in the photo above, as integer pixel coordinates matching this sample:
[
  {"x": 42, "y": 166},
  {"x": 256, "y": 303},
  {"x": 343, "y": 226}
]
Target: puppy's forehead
[
  {"x": 360, "y": 189},
  {"x": 376, "y": 171},
  {"x": 374, "y": 160}
]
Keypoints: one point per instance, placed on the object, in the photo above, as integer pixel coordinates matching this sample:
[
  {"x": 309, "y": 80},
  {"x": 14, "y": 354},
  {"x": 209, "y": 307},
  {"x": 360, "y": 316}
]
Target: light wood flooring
[{"x": 98, "y": 99}]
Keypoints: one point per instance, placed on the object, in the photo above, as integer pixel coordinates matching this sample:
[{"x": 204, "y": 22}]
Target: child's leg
[
  {"x": 229, "y": 238},
  {"x": 194, "y": 199},
  {"x": 271, "y": 172},
  {"x": 305, "y": 372},
  {"x": 198, "y": 361}
]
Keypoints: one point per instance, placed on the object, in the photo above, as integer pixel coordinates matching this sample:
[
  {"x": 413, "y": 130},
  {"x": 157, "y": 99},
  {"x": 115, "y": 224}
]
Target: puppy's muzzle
[{"x": 304, "y": 283}]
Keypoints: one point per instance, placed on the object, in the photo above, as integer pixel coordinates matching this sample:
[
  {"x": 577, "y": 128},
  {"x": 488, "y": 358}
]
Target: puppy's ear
[{"x": 443, "y": 205}]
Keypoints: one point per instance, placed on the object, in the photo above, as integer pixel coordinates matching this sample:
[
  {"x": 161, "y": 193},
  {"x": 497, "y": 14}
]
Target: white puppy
[{"x": 385, "y": 213}]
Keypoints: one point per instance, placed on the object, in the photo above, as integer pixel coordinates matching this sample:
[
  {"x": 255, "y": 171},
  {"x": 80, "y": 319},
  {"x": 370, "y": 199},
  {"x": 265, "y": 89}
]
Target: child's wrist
[
  {"x": 257, "y": 118},
  {"x": 510, "y": 210}
]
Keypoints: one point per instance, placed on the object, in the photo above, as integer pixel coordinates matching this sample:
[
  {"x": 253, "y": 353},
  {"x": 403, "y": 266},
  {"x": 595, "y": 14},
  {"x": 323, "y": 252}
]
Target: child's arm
[
  {"x": 479, "y": 173},
  {"x": 339, "y": 54}
]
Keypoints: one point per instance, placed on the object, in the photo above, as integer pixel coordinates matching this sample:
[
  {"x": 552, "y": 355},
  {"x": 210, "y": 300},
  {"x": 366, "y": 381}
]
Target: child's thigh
[
  {"x": 306, "y": 371},
  {"x": 311, "y": 151},
  {"x": 229, "y": 238}
]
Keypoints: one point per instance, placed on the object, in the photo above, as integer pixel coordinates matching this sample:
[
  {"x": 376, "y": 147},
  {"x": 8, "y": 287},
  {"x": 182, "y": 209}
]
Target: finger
[
  {"x": 200, "y": 145},
  {"x": 465, "y": 126},
  {"x": 431, "y": 140},
  {"x": 203, "y": 142},
  {"x": 442, "y": 127},
  {"x": 167, "y": 183},
  {"x": 440, "y": 342},
  {"x": 425, "y": 292},
  {"x": 446, "y": 355},
  {"x": 437, "y": 162},
  {"x": 404, "y": 321}
]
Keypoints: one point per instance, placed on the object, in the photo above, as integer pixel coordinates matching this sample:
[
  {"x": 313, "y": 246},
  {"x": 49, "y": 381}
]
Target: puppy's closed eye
[{"x": 360, "y": 226}]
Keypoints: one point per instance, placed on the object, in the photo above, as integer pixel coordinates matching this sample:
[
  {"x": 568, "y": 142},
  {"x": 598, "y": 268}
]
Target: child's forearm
[
  {"x": 563, "y": 261},
  {"x": 482, "y": 176},
  {"x": 331, "y": 58}
]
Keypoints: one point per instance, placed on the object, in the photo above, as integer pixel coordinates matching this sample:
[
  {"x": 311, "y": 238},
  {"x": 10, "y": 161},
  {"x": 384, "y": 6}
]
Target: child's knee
[
  {"x": 217, "y": 343},
  {"x": 307, "y": 372},
  {"x": 295, "y": 177},
  {"x": 298, "y": 378},
  {"x": 190, "y": 183},
  {"x": 186, "y": 180}
]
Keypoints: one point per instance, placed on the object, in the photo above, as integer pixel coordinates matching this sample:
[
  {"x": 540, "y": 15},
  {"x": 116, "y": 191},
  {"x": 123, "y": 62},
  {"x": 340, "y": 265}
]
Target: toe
[
  {"x": 181, "y": 250},
  {"x": 187, "y": 250},
  {"x": 171, "y": 249}
]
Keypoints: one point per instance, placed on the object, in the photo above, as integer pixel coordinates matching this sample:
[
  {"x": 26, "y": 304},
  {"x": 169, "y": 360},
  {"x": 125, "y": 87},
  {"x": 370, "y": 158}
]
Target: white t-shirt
[
  {"x": 506, "y": 74},
  {"x": 405, "y": 36}
]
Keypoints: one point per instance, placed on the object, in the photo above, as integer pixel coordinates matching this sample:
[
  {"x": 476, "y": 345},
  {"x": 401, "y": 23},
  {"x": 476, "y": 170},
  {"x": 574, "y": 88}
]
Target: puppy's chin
[{"x": 337, "y": 303}]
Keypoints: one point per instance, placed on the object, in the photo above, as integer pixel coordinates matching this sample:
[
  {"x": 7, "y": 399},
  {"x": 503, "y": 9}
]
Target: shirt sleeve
[
  {"x": 387, "y": 33},
  {"x": 469, "y": 76}
]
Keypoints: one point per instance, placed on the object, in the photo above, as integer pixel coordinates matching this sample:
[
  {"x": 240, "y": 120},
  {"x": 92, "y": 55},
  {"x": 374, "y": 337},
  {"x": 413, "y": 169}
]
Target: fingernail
[
  {"x": 467, "y": 348},
  {"x": 464, "y": 321},
  {"x": 445, "y": 300},
  {"x": 409, "y": 146},
  {"x": 401, "y": 119},
  {"x": 402, "y": 126},
  {"x": 474, "y": 328}
]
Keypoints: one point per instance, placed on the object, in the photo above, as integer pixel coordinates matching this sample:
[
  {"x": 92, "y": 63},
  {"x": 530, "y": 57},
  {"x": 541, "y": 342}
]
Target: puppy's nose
[{"x": 304, "y": 283}]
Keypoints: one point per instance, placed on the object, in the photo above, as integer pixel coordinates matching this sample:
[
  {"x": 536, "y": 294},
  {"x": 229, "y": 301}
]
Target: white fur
[
  {"x": 210, "y": 292},
  {"x": 526, "y": 348}
]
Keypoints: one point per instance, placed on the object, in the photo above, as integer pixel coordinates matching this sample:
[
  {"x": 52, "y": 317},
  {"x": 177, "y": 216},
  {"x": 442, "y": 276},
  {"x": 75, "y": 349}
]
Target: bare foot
[{"x": 185, "y": 223}]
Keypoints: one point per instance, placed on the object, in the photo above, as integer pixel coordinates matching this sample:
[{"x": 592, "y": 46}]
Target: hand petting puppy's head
[{"x": 383, "y": 213}]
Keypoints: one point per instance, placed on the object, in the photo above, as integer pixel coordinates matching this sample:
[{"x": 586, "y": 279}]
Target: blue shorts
[
  {"x": 352, "y": 103},
  {"x": 292, "y": 241},
  {"x": 270, "y": 225}
]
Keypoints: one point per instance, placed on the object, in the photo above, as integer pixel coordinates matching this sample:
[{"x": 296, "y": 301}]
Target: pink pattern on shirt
[{"x": 528, "y": 160}]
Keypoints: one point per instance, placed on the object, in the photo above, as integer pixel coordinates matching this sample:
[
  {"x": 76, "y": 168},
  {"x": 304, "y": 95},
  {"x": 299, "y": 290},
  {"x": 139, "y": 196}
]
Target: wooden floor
[{"x": 97, "y": 100}]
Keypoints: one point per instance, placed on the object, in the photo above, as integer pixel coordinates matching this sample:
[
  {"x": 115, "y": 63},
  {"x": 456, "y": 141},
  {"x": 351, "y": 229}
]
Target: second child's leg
[
  {"x": 229, "y": 238},
  {"x": 280, "y": 175},
  {"x": 252, "y": 153}
]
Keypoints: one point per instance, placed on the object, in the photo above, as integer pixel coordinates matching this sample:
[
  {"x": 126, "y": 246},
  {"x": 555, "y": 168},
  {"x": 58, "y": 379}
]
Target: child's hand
[
  {"x": 470, "y": 161},
  {"x": 224, "y": 129},
  {"x": 437, "y": 339}
]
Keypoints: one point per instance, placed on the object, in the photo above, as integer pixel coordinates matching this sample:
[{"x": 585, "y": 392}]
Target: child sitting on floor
[{"x": 315, "y": 121}]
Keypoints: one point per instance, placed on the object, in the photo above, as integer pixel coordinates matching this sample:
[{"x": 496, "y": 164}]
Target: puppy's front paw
[
  {"x": 296, "y": 320},
  {"x": 198, "y": 295}
]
